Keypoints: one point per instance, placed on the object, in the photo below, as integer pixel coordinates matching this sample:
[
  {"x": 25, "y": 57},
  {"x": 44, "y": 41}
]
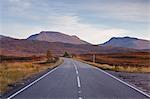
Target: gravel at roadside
[{"x": 140, "y": 80}]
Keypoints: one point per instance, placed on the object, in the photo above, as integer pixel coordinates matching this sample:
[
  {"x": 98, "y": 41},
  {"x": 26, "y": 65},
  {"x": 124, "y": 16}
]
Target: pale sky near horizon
[{"x": 95, "y": 21}]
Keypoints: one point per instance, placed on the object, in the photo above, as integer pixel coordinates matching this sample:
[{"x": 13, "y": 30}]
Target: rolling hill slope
[{"x": 128, "y": 42}]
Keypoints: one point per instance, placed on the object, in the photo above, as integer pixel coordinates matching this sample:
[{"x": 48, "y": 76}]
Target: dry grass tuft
[
  {"x": 128, "y": 62},
  {"x": 140, "y": 69},
  {"x": 12, "y": 72}
]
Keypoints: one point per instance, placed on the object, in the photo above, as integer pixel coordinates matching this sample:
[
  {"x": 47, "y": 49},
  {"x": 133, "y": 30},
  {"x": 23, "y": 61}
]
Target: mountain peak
[
  {"x": 74, "y": 36},
  {"x": 126, "y": 37},
  {"x": 48, "y": 32},
  {"x": 128, "y": 42},
  {"x": 53, "y": 36}
]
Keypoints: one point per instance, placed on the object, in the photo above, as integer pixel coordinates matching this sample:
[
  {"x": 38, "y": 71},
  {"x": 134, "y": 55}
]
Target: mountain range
[
  {"x": 126, "y": 42},
  {"x": 58, "y": 43}
]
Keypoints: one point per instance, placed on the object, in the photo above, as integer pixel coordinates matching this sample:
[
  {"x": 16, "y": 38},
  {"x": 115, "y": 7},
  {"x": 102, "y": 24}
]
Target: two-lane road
[{"x": 76, "y": 80}]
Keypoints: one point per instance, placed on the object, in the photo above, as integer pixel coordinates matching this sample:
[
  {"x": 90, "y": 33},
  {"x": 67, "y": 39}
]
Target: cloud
[
  {"x": 70, "y": 25},
  {"x": 129, "y": 10},
  {"x": 73, "y": 26},
  {"x": 135, "y": 10},
  {"x": 22, "y": 18}
]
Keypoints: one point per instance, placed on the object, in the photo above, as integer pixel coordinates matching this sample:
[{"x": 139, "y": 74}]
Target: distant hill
[
  {"x": 128, "y": 42},
  {"x": 51, "y": 36},
  {"x": 23, "y": 47},
  {"x": 6, "y": 38}
]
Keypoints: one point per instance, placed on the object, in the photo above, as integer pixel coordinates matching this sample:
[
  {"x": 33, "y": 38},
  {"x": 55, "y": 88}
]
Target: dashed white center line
[
  {"x": 78, "y": 80},
  {"x": 80, "y": 97},
  {"x": 79, "y": 92},
  {"x": 77, "y": 72},
  {"x": 75, "y": 67}
]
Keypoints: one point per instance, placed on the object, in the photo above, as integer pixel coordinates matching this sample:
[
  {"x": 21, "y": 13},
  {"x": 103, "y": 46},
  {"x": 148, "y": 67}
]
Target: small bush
[
  {"x": 49, "y": 56},
  {"x": 66, "y": 54}
]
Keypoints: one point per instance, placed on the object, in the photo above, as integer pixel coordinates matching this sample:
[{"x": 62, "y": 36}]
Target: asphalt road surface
[{"x": 76, "y": 80}]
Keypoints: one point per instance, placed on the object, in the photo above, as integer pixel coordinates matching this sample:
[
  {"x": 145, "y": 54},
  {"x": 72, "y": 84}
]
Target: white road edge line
[
  {"x": 31, "y": 83},
  {"x": 124, "y": 82}
]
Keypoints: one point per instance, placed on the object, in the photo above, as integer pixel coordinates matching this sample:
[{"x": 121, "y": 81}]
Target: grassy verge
[
  {"x": 137, "y": 59},
  {"x": 141, "y": 69},
  {"x": 12, "y": 72}
]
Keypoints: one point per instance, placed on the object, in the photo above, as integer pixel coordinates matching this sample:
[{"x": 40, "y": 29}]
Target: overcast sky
[{"x": 95, "y": 21}]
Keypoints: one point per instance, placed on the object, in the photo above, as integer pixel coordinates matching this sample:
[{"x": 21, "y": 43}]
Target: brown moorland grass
[
  {"x": 12, "y": 72},
  {"x": 128, "y": 62}
]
